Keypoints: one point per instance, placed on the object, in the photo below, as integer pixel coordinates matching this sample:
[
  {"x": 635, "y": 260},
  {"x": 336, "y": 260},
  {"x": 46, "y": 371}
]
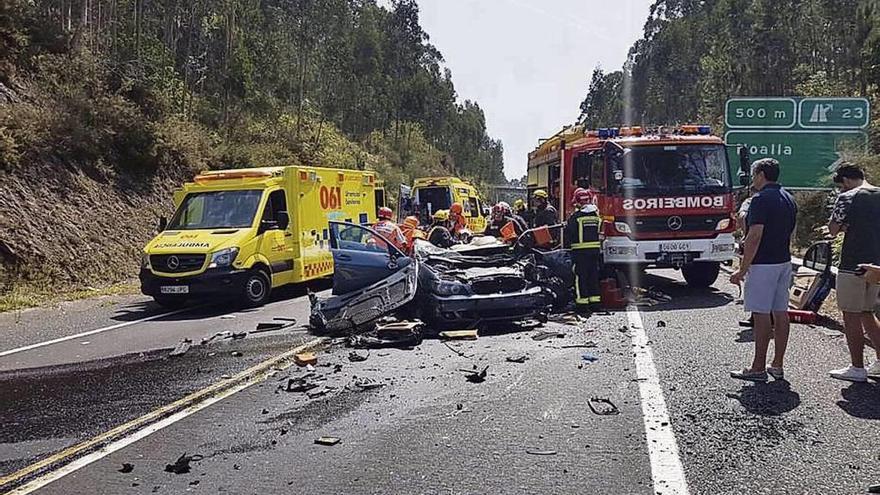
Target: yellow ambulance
[
  {"x": 243, "y": 232},
  {"x": 430, "y": 194}
]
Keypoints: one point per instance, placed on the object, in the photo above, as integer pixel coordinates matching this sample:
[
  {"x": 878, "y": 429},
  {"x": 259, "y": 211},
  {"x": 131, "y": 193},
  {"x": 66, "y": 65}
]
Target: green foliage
[{"x": 198, "y": 84}]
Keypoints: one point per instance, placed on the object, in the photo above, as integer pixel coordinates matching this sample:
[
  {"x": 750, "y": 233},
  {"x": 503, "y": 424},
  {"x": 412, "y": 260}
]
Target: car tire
[
  {"x": 256, "y": 288},
  {"x": 170, "y": 302},
  {"x": 701, "y": 275}
]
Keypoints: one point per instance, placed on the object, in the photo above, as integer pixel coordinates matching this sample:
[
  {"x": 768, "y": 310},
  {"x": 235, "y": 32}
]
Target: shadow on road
[
  {"x": 201, "y": 310},
  {"x": 861, "y": 400},
  {"x": 768, "y": 399}
]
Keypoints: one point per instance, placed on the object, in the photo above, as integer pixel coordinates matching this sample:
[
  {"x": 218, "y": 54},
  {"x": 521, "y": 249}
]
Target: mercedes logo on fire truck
[
  {"x": 173, "y": 262},
  {"x": 674, "y": 223}
]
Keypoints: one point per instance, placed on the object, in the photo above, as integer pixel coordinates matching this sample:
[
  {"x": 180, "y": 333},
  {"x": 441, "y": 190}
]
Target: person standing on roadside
[
  {"x": 856, "y": 214},
  {"x": 766, "y": 268},
  {"x": 582, "y": 236}
]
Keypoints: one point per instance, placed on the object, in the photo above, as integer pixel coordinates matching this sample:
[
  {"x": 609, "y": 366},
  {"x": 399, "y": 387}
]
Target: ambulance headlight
[
  {"x": 622, "y": 227},
  {"x": 723, "y": 224},
  {"x": 223, "y": 258}
]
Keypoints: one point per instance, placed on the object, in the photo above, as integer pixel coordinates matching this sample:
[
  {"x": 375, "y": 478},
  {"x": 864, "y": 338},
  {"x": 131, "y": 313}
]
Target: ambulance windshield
[
  {"x": 698, "y": 169},
  {"x": 217, "y": 210}
]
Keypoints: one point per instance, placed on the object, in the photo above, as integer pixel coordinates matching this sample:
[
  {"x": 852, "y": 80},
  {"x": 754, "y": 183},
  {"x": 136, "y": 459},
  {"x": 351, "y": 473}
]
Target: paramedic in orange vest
[
  {"x": 582, "y": 236},
  {"x": 410, "y": 229},
  {"x": 389, "y": 230},
  {"x": 457, "y": 221}
]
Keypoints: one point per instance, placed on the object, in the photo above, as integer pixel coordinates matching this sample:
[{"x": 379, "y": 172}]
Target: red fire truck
[{"x": 665, "y": 194}]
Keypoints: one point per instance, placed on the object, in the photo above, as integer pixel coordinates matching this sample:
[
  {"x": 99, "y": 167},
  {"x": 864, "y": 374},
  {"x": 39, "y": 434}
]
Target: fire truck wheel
[
  {"x": 701, "y": 275},
  {"x": 256, "y": 288}
]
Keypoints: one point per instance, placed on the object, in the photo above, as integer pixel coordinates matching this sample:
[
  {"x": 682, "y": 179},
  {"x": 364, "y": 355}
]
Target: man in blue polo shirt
[{"x": 766, "y": 268}]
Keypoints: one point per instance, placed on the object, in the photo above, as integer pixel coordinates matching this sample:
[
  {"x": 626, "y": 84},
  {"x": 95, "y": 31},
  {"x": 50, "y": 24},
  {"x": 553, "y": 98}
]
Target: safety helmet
[
  {"x": 497, "y": 210},
  {"x": 505, "y": 208},
  {"x": 581, "y": 196},
  {"x": 441, "y": 215},
  {"x": 455, "y": 208},
  {"x": 385, "y": 213},
  {"x": 519, "y": 204},
  {"x": 411, "y": 222},
  {"x": 540, "y": 193}
]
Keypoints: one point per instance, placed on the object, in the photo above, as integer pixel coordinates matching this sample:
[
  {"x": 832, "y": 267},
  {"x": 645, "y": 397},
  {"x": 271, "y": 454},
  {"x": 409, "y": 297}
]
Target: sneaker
[
  {"x": 850, "y": 374},
  {"x": 750, "y": 323},
  {"x": 874, "y": 370},
  {"x": 747, "y": 374},
  {"x": 776, "y": 373}
]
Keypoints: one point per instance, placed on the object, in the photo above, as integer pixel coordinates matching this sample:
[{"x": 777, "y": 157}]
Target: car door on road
[{"x": 361, "y": 257}]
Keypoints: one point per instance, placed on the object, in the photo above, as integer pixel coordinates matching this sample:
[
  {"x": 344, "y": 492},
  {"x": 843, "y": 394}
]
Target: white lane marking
[
  {"x": 124, "y": 442},
  {"x": 666, "y": 469},
  {"x": 92, "y": 332}
]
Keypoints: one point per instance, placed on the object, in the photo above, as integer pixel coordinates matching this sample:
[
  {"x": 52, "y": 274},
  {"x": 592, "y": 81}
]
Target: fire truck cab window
[
  {"x": 597, "y": 172},
  {"x": 683, "y": 168},
  {"x": 581, "y": 169}
]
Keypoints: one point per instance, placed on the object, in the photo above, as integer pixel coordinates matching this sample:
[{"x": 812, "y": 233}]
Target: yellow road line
[{"x": 255, "y": 373}]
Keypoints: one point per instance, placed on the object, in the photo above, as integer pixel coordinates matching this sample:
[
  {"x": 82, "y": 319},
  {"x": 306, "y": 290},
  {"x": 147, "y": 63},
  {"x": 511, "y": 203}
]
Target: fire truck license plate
[
  {"x": 674, "y": 247},
  {"x": 174, "y": 289}
]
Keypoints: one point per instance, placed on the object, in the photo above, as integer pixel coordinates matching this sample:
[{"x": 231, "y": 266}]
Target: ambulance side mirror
[
  {"x": 283, "y": 219},
  {"x": 163, "y": 224}
]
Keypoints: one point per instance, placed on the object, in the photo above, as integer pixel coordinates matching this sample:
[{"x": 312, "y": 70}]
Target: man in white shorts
[
  {"x": 766, "y": 269},
  {"x": 856, "y": 213}
]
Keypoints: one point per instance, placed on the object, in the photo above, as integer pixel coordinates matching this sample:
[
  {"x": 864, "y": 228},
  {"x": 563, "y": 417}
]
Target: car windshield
[
  {"x": 217, "y": 209},
  {"x": 673, "y": 169}
]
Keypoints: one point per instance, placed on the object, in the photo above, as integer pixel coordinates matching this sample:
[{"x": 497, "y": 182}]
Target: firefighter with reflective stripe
[
  {"x": 389, "y": 230},
  {"x": 439, "y": 234},
  {"x": 582, "y": 236}
]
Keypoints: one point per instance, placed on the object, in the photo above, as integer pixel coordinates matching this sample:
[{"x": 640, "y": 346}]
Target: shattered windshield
[
  {"x": 217, "y": 210},
  {"x": 673, "y": 169}
]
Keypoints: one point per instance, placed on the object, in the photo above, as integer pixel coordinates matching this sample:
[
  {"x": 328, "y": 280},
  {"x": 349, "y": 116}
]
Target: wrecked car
[{"x": 442, "y": 287}]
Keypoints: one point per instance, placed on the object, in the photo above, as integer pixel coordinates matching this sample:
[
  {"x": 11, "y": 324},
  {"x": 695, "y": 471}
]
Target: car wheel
[
  {"x": 256, "y": 289},
  {"x": 701, "y": 275},
  {"x": 170, "y": 302}
]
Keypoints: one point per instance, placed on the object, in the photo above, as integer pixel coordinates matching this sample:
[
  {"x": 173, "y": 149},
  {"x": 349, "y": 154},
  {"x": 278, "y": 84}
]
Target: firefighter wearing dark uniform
[
  {"x": 582, "y": 236},
  {"x": 545, "y": 213}
]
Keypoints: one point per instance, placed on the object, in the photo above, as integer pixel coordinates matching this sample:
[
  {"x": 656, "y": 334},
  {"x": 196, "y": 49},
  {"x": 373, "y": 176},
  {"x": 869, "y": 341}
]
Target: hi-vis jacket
[{"x": 582, "y": 229}]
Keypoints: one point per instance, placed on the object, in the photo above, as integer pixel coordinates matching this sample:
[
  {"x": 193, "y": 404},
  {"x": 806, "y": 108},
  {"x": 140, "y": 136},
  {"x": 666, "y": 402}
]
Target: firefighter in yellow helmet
[
  {"x": 582, "y": 236},
  {"x": 521, "y": 209},
  {"x": 545, "y": 213},
  {"x": 439, "y": 235}
]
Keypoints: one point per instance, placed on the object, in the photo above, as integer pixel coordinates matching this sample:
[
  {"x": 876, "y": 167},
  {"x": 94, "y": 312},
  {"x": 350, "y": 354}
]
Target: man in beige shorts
[{"x": 855, "y": 214}]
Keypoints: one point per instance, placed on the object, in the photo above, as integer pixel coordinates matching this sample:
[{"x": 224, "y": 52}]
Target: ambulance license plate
[
  {"x": 174, "y": 289},
  {"x": 674, "y": 247}
]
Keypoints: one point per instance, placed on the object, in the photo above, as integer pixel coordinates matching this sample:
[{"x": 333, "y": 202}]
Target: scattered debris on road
[
  {"x": 661, "y": 324},
  {"x": 586, "y": 345},
  {"x": 181, "y": 465},
  {"x": 874, "y": 488},
  {"x": 300, "y": 384},
  {"x": 453, "y": 349},
  {"x": 459, "y": 334},
  {"x": 605, "y": 408},
  {"x": 589, "y": 357},
  {"x": 305, "y": 358},
  {"x": 518, "y": 359},
  {"x": 367, "y": 384},
  {"x": 547, "y": 334},
  {"x": 328, "y": 441},
  {"x": 126, "y": 468},
  {"x": 354, "y": 357},
  {"x": 181, "y": 348},
  {"x": 475, "y": 377},
  {"x": 236, "y": 354},
  {"x": 541, "y": 452}
]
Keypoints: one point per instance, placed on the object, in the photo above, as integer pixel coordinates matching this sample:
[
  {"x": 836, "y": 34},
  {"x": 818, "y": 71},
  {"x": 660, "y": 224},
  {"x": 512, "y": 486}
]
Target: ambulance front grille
[{"x": 177, "y": 263}]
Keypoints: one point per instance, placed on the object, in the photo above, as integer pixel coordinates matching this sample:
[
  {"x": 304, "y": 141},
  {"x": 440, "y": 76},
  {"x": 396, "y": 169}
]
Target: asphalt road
[{"x": 527, "y": 428}]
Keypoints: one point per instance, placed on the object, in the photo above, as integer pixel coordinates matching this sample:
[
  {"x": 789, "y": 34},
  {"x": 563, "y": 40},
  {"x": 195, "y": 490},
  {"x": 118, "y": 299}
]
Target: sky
[{"x": 528, "y": 62}]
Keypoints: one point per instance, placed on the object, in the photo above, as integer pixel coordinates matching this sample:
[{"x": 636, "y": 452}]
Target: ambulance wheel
[
  {"x": 256, "y": 288},
  {"x": 701, "y": 275},
  {"x": 170, "y": 302}
]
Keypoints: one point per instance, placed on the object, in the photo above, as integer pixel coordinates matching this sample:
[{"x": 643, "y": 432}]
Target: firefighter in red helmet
[{"x": 582, "y": 236}]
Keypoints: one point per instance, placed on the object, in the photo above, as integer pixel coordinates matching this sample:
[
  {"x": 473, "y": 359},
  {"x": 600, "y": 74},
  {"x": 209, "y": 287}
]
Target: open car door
[{"x": 371, "y": 278}]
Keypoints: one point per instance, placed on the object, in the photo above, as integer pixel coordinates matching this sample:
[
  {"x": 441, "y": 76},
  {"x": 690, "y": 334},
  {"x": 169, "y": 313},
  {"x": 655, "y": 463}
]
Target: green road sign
[
  {"x": 834, "y": 113},
  {"x": 805, "y": 156},
  {"x": 761, "y": 113}
]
